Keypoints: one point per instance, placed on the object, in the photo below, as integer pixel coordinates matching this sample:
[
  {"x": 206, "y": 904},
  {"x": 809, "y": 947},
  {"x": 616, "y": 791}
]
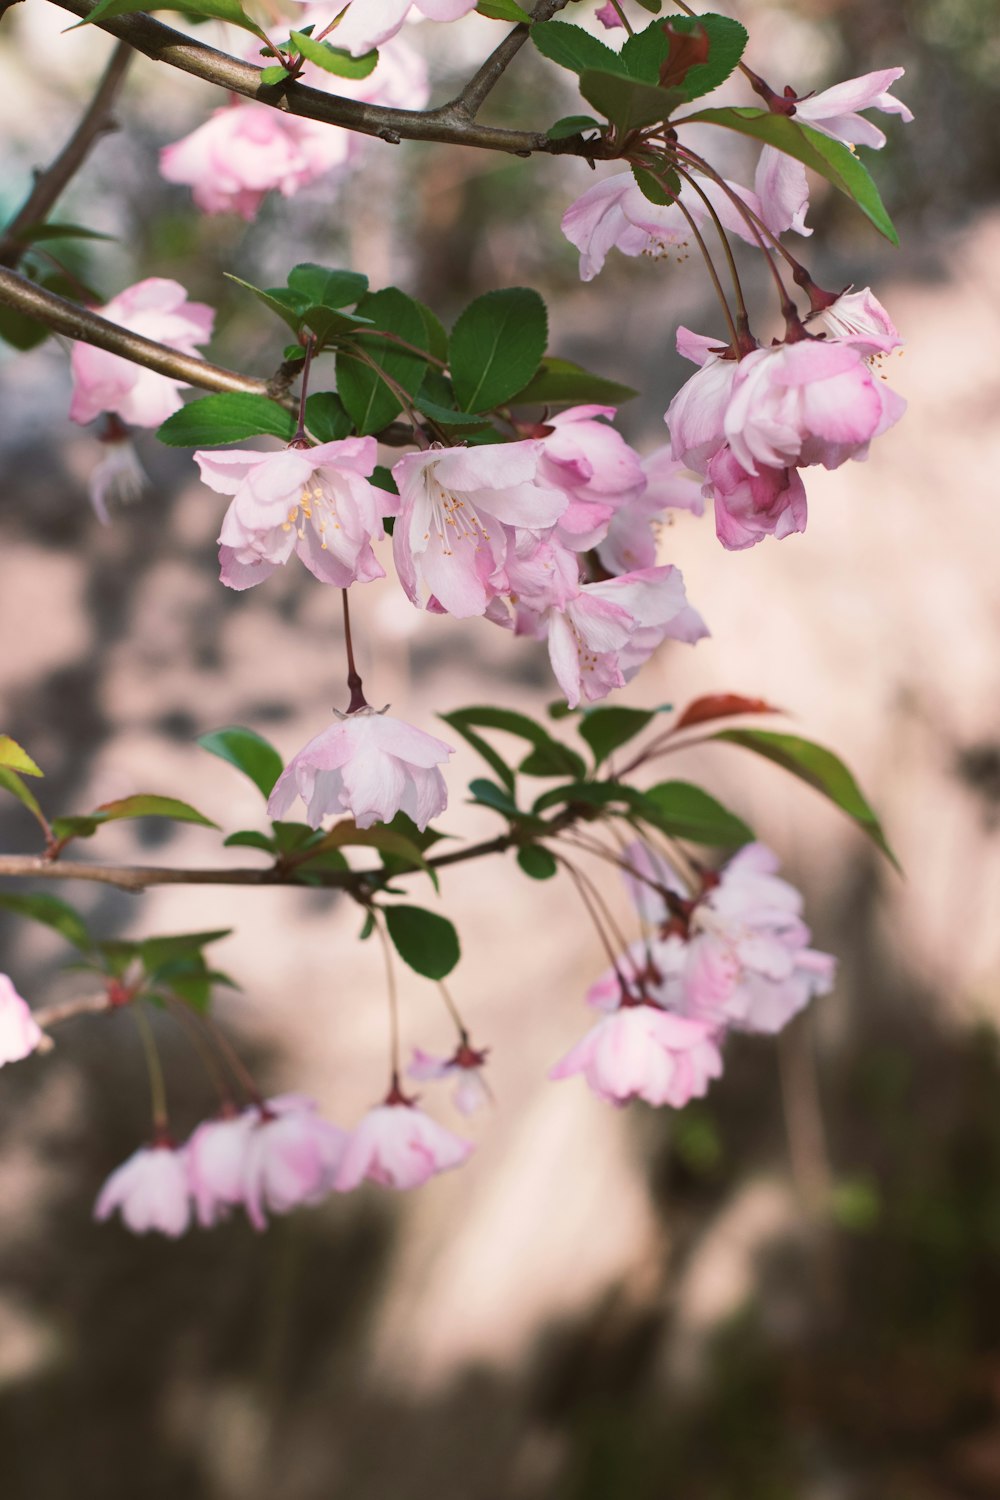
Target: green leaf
[
  {"x": 76, "y": 827},
  {"x": 54, "y": 913},
  {"x": 162, "y": 950},
  {"x": 444, "y": 416},
  {"x": 145, "y": 805},
  {"x": 820, "y": 768},
  {"x": 199, "y": 10},
  {"x": 482, "y": 747},
  {"x": 11, "y": 782},
  {"x": 831, "y": 159},
  {"x": 496, "y": 346},
  {"x": 334, "y": 59},
  {"x": 590, "y": 794},
  {"x": 288, "y": 305},
  {"x": 565, "y": 761},
  {"x": 488, "y": 794},
  {"x": 559, "y": 382},
  {"x": 249, "y": 838},
  {"x": 537, "y": 862},
  {"x": 504, "y": 10},
  {"x": 346, "y": 835},
  {"x": 16, "y": 758},
  {"x": 644, "y": 53},
  {"x": 35, "y": 233},
  {"x": 437, "y": 334},
  {"x": 273, "y": 75},
  {"x": 572, "y": 47},
  {"x": 423, "y": 939},
  {"x": 326, "y": 418},
  {"x": 20, "y": 331},
  {"x": 627, "y": 103},
  {"x": 369, "y": 400},
  {"x": 653, "y": 6},
  {"x": 689, "y": 812},
  {"x": 329, "y": 324},
  {"x": 248, "y": 752},
  {"x": 572, "y": 125},
  {"x": 318, "y": 287},
  {"x": 605, "y": 729},
  {"x": 291, "y": 838},
  {"x": 230, "y": 417},
  {"x": 652, "y": 187}
]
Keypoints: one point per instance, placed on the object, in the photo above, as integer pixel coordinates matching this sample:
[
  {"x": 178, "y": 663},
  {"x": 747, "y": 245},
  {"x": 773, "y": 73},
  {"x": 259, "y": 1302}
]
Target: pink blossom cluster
[
  {"x": 246, "y": 150},
  {"x": 272, "y": 1158},
  {"x": 736, "y": 956},
  {"x": 747, "y": 426}
]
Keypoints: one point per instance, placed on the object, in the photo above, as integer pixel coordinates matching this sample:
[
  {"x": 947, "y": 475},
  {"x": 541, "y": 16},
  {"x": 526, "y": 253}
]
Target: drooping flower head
[
  {"x": 150, "y": 1191},
  {"x": 464, "y": 1067},
  {"x": 314, "y": 502},
  {"x": 103, "y": 382},
  {"x": 584, "y": 456},
  {"x": 292, "y": 1156},
  {"x": 367, "y": 764},
  {"x": 641, "y": 1051},
  {"x": 398, "y": 1146}
]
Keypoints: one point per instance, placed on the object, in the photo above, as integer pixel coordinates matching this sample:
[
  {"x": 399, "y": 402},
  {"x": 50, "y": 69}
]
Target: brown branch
[
  {"x": 62, "y": 316},
  {"x": 446, "y": 125},
  {"x": 468, "y": 103},
  {"x": 49, "y": 184},
  {"x": 52, "y": 1015}
]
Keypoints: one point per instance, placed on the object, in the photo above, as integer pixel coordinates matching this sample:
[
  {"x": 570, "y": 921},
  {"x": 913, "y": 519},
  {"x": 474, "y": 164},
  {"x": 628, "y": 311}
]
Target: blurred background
[{"x": 789, "y": 1289}]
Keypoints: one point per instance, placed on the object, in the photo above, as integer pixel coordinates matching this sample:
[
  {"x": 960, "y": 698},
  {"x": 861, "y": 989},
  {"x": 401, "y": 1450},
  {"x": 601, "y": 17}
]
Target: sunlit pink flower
[
  {"x": 398, "y": 1146},
  {"x": 315, "y": 502},
  {"x": 150, "y": 1190},
  {"x": 749, "y": 962},
  {"x": 464, "y": 1067},
  {"x": 610, "y": 629},
  {"x": 696, "y": 415},
  {"x": 369, "y": 23},
  {"x": 643, "y": 1052},
  {"x": 216, "y": 1157},
  {"x": 369, "y": 765},
  {"x": 780, "y": 181},
  {"x": 458, "y": 510},
  {"x": 810, "y": 402},
  {"x": 19, "y": 1031},
  {"x": 749, "y": 507},
  {"x": 292, "y": 1156},
  {"x": 615, "y": 214},
  {"x": 859, "y": 319},
  {"x": 585, "y": 457},
  {"x": 103, "y": 382}
]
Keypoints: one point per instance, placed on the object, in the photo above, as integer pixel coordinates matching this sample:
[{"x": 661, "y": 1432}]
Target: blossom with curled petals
[
  {"x": 398, "y": 1146},
  {"x": 150, "y": 1190}
]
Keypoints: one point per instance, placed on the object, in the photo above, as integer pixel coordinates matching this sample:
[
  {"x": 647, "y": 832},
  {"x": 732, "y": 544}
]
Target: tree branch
[
  {"x": 84, "y": 1005},
  {"x": 468, "y": 103},
  {"x": 95, "y": 122},
  {"x": 78, "y": 322},
  {"x": 446, "y": 125}
]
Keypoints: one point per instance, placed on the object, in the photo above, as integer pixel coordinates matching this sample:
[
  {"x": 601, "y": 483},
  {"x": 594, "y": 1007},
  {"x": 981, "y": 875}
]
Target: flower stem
[
  {"x": 390, "y": 980},
  {"x": 358, "y": 699},
  {"x": 300, "y": 440},
  {"x": 157, "y": 1085},
  {"x": 454, "y": 1012}
]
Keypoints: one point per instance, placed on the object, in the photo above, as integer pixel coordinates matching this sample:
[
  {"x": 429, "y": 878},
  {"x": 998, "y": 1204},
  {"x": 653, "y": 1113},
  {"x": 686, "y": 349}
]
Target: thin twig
[
  {"x": 84, "y": 1005},
  {"x": 49, "y": 185},
  {"x": 468, "y": 103}
]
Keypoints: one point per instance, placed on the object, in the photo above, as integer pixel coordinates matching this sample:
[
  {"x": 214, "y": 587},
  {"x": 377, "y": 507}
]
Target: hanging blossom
[
  {"x": 631, "y": 541},
  {"x": 614, "y": 214},
  {"x": 599, "y": 634},
  {"x": 314, "y": 502},
  {"x": 19, "y": 1031},
  {"x": 150, "y": 1190},
  {"x": 119, "y": 478},
  {"x": 246, "y": 150},
  {"x": 643, "y": 1052},
  {"x": 459, "y": 509},
  {"x": 102, "y": 382},
  {"x": 292, "y": 1157},
  {"x": 583, "y": 455},
  {"x": 464, "y": 1068},
  {"x": 398, "y": 1146},
  {"x": 367, "y": 764},
  {"x": 780, "y": 181},
  {"x": 370, "y": 23}
]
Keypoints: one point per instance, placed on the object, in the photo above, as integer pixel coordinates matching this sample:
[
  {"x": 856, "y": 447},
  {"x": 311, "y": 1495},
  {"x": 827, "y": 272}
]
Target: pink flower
[
  {"x": 860, "y": 320},
  {"x": 369, "y": 765},
  {"x": 593, "y": 464},
  {"x": 643, "y": 1052},
  {"x": 780, "y": 181},
  {"x": 749, "y": 963},
  {"x": 150, "y": 1190},
  {"x": 19, "y": 1031},
  {"x": 608, "y": 630},
  {"x": 615, "y": 214},
  {"x": 315, "y": 502},
  {"x": 749, "y": 507},
  {"x": 103, "y": 382},
  {"x": 810, "y": 402},
  {"x": 119, "y": 478},
  {"x": 369, "y": 23},
  {"x": 291, "y": 1158},
  {"x": 608, "y": 16},
  {"x": 457, "y": 505},
  {"x": 631, "y": 541},
  {"x": 216, "y": 1157},
  {"x": 464, "y": 1067},
  {"x": 399, "y": 1146},
  {"x": 696, "y": 415}
]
